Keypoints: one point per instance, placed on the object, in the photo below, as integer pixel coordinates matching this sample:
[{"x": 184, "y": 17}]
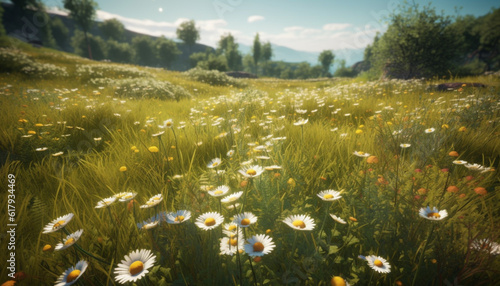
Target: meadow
[{"x": 142, "y": 176}]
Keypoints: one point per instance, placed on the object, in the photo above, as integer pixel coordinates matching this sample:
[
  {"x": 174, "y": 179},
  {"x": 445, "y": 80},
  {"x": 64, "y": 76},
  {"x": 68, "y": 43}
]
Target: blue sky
[{"x": 313, "y": 25}]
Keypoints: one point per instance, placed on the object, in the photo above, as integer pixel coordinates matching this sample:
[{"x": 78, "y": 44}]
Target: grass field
[{"x": 122, "y": 148}]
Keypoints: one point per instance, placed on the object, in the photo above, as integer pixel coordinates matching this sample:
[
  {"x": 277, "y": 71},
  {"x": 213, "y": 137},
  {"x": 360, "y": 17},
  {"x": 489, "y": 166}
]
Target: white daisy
[
  {"x": 214, "y": 163},
  {"x": 251, "y": 171},
  {"x": 245, "y": 219},
  {"x": 219, "y": 191},
  {"x": 477, "y": 167},
  {"x": 135, "y": 266},
  {"x": 230, "y": 153},
  {"x": 259, "y": 245},
  {"x": 337, "y": 219},
  {"x": 300, "y": 222},
  {"x": 232, "y": 197},
  {"x": 69, "y": 240},
  {"x": 210, "y": 220},
  {"x": 232, "y": 243},
  {"x": 58, "y": 223},
  {"x": 405, "y": 145},
  {"x": 272, "y": 168},
  {"x": 459, "y": 162},
  {"x": 153, "y": 201},
  {"x": 432, "y": 214},
  {"x": 105, "y": 202},
  {"x": 486, "y": 245},
  {"x": 230, "y": 227},
  {"x": 378, "y": 264},
  {"x": 429, "y": 130},
  {"x": 301, "y": 122},
  {"x": 150, "y": 224},
  {"x": 178, "y": 216},
  {"x": 127, "y": 196},
  {"x": 72, "y": 274},
  {"x": 361, "y": 154},
  {"x": 329, "y": 195}
]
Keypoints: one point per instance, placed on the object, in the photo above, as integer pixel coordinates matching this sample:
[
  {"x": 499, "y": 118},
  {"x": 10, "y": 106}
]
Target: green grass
[{"x": 100, "y": 129}]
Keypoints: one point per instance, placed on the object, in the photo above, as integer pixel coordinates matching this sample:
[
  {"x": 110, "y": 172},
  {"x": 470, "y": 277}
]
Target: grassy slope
[{"x": 315, "y": 158}]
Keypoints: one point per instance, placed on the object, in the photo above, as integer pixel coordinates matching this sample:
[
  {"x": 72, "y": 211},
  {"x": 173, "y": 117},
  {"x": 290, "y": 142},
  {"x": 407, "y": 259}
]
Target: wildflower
[
  {"x": 359, "y": 131},
  {"x": 153, "y": 149},
  {"x": 259, "y": 245},
  {"x": 361, "y": 154},
  {"x": 337, "y": 219},
  {"x": 445, "y": 126},
  {"x": 153, "y": 201},
  {"x": 210, "y": 220},
  {"x": 245, "y": 219},
  {"x": 329, "y": 195},
  {"x": 178, "y": 216},
  {"x": 232, "y": 243},
  {"x": 452, "y": 189},
  {"x": 135, "y": 266},
  {"x": 338, "y": 281},
  {"x": 219, "y": 191},
  {"x": 378, "y": 264},
  {"x": 486, "y": 245},
  {"x": 462, "y": 129},
  {"x": 459, "y": 162},
  {"x": 300, "y": 222},
  {"x": 105, "y": 202},
  {"x": 251, "y": 171},
  {"x": 69, "y": 240},
  {"x": 480, "y": 191},
  {"x": 405, "y": 145},
  {"x": 372, "y": 160},
  {"x": 123, "y": 168},
  {"x": 453, "y": 154},
  {"x": 301, "y": 122},
  {"x": 214, "y": 163},
  {"x": 432, "y": 214},
  {"x": 72, "y": 274},
  {"x": 232, "y": 197},
  {"x": 127, "y": 197},
  {"x": 47, "y": 247},
  {"x": 230, "y": 153},
  {"x": 477, "y": 167},
  {"x": 149, "y": 224},
  {"x": 429, "y": 130},
  {"x": 58, "y": 223}
]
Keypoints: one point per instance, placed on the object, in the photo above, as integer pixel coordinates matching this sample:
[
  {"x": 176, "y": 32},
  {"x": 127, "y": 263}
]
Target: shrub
[{"x": 213, "y": 77}]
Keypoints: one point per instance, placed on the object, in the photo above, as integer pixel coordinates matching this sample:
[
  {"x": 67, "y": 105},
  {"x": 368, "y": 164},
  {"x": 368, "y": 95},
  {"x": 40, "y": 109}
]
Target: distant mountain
[{"x": 281, "y": 53}]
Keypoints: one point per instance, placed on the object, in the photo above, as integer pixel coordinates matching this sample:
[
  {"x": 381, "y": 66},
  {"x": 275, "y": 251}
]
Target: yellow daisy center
[
  {"x": 231, "y": 227},
  {"x": 245, "y": 221},
  {"x": 218, "y": 192},
  {"x": 210, "y": 221},
  {"x": 69, "y": 241},
  {"x": 378, "y": 263},
  {"x": 258, "y": 247},
  {"x": 58, "y": 224},
  {"x": 435, "y": 215},
  {"x": 337, "y": 281},
  {"x": 179, "y": 218},
  {"x": 233, "y": 241},
  {"x": 328, "y": 196},
  {"x": 214, "y": 164},
  {"x": 169, "y": 124},
  {"x": 73, "y": 275},
  {"x": 299, "y": 223},
  {"x": 136, "y": 267},
  {"x": 251, "y": 172}
]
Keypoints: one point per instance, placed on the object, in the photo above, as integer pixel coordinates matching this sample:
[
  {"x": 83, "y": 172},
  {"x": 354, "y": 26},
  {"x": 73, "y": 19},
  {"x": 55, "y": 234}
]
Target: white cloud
[
  {"x": 255, "y": 18},
  {"x": 336, "y": 26}
]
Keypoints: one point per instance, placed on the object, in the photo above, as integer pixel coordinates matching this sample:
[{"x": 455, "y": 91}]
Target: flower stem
[{"x": 422, "y": 255}]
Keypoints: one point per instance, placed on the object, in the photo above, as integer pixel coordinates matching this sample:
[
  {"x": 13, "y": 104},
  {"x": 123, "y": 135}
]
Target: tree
[
  {"x": 418, "y": 43},
  {"x": 256, "y": 50},
  {"x": 119, "y": 52},
  {"x": 83, "y": 12},
  {"x": 489, "y": 32},
  {"x": 59, "y": 31},
  {"x": 23, "y": 5},
  {"x": 2, "y": 28},
  {"x": 81, "y": 43},
  {"x": 167, "y": 51},
  {"x": 326, "y": 59},
  {"x": 267, "y": 52},
  {"x": 112, "y": 29},
  {"x": 145, "y": 52},
  {"x": 188, "y": 33},
  {"x": 229, "y": 48}
]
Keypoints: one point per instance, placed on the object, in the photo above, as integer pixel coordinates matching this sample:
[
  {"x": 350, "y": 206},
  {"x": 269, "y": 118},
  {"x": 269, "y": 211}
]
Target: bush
[
  {"x": 15, "y": 61},
  {"x": 213, "y": 77}
]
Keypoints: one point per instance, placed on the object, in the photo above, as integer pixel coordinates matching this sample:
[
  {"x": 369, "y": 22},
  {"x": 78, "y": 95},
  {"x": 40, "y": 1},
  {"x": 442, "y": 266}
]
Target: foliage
[
  {"x": 112, "y": 29},
  {"x": 16, "y": 61},
  {"x": 213, "y": 77},
  {"x": 83, "y": 12},
  {"x": 119, "y": 52},
  {"x": 256, "y": 50},
  {"x": 80, "y": 44},
  {"x": 145, "y": 51},
  {"x": 167, "y": 51},
  {"x": 326, "y": 58},
  {"x": 343, "y": 71},
  {"x": 418, "y": 43},
  {"x": 229, "y": 48},
  {"x": 2, "y": 28},
  {"x": 188, "y": 32},
  {"x": 59, "y": 31}
]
